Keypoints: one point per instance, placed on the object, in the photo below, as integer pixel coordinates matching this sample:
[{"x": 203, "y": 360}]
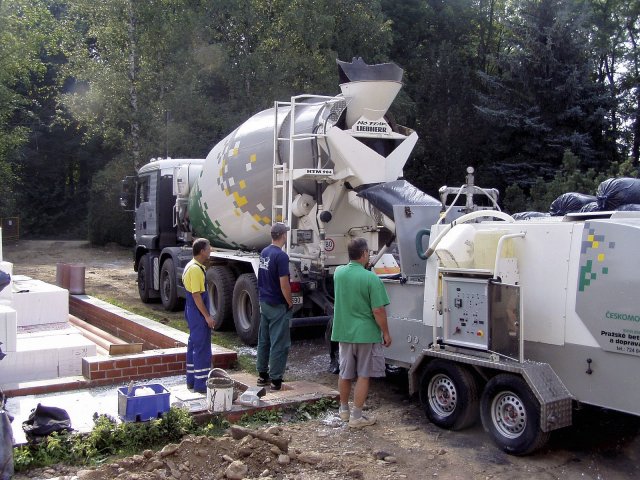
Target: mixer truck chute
[{"x": 328, "y": 166}]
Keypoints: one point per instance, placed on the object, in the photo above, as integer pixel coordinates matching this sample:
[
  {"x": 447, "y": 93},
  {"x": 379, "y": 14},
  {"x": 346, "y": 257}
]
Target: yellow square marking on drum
[
  {"x": 234, "y": 152},
  {"x": 241, "y": 201},
  {"x": 601, "y": 257},
  {"x": 242, "y": 184},
  {"x": 596, "y": 244},
  {"x": 590, "y": 238},
  {"x": 256, "y": 217},
  {"x": 253, "y": 158},
  {"x": 237, "y": 212},
  {"x": 266, "y": 220},
  {"x": 226, "y": 192}
]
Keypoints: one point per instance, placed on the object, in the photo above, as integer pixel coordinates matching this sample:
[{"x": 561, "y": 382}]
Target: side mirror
[{"x": 127, "y": 193}]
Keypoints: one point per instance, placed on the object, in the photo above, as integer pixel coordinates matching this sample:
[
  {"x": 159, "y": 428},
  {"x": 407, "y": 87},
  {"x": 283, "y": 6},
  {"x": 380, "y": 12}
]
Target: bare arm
[
  {"x": 380, "y": 314},
  {"x": 285, "y": 286},
  {"x": 197, "y": 298}
]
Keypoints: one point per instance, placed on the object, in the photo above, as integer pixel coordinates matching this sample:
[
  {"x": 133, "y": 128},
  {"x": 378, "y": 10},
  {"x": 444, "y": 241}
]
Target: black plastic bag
[
  {"x": 384, "y": 196},
  {"x": 614, "y": 192},
  {"x": 569, "y": 203},
  {"x": 590, "y": 207},
  {"x": 5, "y": 279},
  {"x": 44, "y": 421},
  {"x": 528, "y": 215},
  {"x": 6, "y": 441}
]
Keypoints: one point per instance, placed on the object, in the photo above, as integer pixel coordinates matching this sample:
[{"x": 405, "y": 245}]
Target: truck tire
[
  {"x": 246, "y": 308},
  {"x": 220, "y": 282},
  {"x": 511, "y": 415},
  {"x": 449, "y": 395},
  {"x": 168, "y": 286},
  {"x": 145, "y": 282}
]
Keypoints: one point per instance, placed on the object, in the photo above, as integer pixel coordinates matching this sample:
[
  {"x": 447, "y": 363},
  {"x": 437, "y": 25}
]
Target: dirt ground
[{"x": 403, "y": 444}]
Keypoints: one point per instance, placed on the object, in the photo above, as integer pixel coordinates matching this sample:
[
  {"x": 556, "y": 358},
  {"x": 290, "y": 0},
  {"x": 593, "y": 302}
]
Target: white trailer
[{"x": 518, "y": 321}]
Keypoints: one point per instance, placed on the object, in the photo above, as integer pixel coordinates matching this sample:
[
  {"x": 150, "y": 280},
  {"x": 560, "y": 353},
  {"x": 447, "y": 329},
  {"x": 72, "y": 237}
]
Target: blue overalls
[{"x": 199, "y": 344}]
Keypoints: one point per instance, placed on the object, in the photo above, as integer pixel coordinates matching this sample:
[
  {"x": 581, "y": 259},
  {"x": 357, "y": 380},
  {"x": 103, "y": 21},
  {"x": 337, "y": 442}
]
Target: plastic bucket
[{"x": 219, "y": 392}]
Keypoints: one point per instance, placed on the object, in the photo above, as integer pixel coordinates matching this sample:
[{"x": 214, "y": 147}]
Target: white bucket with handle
[{"x": 219, "y": 391}]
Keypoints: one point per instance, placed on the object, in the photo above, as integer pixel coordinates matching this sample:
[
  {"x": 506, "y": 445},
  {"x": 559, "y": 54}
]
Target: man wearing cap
[{"x": 275, "y": 310}]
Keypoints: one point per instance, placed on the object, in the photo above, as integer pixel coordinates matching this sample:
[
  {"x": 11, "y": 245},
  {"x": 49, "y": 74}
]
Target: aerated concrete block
[
  {"x": 8, "y": 329},
  {"x": 39, "y": 303}
]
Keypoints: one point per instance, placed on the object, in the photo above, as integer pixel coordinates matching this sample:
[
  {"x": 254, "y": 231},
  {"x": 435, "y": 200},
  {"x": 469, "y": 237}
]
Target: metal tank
[
  {"x": 230, "y": 203},
  {"x": 346, "y": 139}
]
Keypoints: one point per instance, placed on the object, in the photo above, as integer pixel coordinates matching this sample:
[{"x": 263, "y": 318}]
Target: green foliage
[
  {"x": 107, "y": 438},
  {"x": 308, "y": 411},
  {"x": 569, "y": 179},
  {"x": 108, "y": 222}
]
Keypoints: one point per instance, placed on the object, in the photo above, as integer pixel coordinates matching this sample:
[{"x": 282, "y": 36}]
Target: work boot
[
  {"x": 263, "y": 379},
  {"x": 276, "y": 384}
]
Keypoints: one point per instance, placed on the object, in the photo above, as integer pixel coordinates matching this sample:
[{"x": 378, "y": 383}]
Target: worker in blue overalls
[{"x": 199, "y": 320}]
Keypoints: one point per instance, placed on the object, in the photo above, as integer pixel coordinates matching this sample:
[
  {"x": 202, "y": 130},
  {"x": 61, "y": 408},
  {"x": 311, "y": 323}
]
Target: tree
[{"x": 544, "y": 98}]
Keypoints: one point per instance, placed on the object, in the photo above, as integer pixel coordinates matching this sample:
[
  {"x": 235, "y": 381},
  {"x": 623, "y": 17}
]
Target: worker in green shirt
[{"x": 360, "y": 325}]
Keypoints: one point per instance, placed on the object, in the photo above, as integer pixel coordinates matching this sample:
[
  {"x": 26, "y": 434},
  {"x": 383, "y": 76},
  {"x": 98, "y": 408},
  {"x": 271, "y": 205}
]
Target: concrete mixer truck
[{"x": 327, "y": 166}]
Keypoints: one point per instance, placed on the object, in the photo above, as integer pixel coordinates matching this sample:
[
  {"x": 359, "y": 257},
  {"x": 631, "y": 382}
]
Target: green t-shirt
[{"x": 357, "y": 292}]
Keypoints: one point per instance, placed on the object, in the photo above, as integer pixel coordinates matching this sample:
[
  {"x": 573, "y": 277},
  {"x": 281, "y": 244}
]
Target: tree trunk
[{"x": 133, "y": 92}]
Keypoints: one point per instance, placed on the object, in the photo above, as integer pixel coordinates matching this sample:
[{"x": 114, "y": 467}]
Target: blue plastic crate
[{"x": 147, "y": 407}]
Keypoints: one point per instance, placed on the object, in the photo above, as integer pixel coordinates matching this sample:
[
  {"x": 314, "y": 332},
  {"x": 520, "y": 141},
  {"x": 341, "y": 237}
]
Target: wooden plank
[{"x": 124, "y": 349}]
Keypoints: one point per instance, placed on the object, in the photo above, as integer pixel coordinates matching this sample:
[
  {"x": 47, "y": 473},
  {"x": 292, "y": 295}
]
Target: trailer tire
[
  {"x": 511, "y": 415},
  {"x": 168, "y": 286},
  {"x": 145, "y": 282},
  {"x": 220, "y": 282},
  {"x": 246, "y": 308},
  {"x": 449, "y": 395}
]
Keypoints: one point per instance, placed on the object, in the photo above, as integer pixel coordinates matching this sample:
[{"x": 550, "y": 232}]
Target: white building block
[
  {"x": 42, "y": 357},
  {"x": 6, "y": 294},
  {"x": 8, "y": 329},
  {"x": 39, "y": 303}
]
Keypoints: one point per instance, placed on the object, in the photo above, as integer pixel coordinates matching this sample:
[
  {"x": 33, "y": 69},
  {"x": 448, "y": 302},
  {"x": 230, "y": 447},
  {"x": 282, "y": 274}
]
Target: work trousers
[
  {"x": 198, "y": 345},
  {"x": 274, "y": 339}
]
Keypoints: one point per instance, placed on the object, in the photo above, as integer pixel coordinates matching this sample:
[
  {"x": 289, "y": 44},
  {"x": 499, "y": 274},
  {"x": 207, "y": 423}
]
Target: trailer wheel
[
  {"x": 246, "y": 308},
  {"x": 220, "y": 282},
  {"x": 449, "y": 395},
  {"x": 168, "y": 287},
  {"x": 145, "y": 284},
  {"x": 511, "y": 415}
]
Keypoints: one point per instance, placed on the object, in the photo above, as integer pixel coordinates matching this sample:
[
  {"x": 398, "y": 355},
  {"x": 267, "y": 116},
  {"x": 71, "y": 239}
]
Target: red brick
[
  {"x": 114, "y": 373},
  {"x": 160, "y": 368},
  {"x": 94, "y": 367},
  {"x": 145, "y": 370},
  {"x": 123, "y": 363},
  {"x": 139, "y": 361},
  {"x": 98, "y": 375},
  {"x": 176, "y": 366},
  {"x": 130, "y": 371},
  {"x": 106, "y": 365},
  {"x": 154, "y": 360}
]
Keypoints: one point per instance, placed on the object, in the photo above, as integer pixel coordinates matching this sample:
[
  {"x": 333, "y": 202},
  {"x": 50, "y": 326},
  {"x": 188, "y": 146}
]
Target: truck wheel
[
  {"x": 145, "y": 283},
  {"x": 511, "y": 415},
  {"x": 449, "y": 395},
  {"x": 220, "y": 282},
  {"x": 246, "y": 308},
  {"x": 168, "y": 286}
]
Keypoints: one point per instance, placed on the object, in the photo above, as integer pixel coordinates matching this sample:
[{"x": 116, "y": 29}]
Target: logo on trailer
[{"x": 329, "y": 245}]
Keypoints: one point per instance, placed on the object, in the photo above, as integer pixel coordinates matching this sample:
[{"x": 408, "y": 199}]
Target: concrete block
[
  {"x": 39, "y": 303},
  {"x": 8, "y": 328},
  {"x": 40, "y": 357}
]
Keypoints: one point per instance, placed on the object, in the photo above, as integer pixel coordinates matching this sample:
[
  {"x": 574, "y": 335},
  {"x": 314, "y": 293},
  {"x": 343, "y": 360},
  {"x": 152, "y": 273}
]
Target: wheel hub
[
  {"x": 509, "y": 414},
  {"x": 443, "y": 396}
]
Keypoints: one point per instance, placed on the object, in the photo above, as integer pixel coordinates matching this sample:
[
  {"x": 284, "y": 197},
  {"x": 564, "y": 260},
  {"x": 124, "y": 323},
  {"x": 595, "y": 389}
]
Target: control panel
[{"x": 466, "y": 312}]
